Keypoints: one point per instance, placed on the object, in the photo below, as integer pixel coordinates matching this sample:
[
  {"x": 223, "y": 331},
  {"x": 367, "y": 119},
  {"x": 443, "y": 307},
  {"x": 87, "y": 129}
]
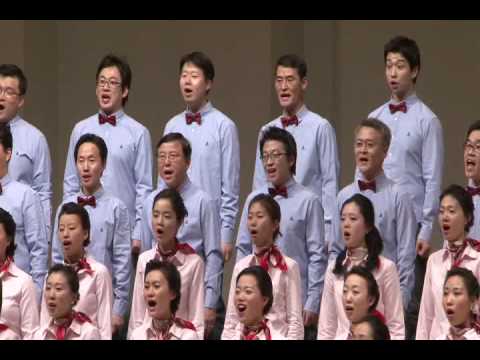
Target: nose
[{"x": 449, "y": 299}]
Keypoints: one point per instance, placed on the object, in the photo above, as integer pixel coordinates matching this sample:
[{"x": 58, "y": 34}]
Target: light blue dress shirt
[
  {"x": 318, "y": 167},
  {"x": 31, "y": 254},
  {"x": 302, "y": 238},
  {"x": 396, "y": 222},
  {"x": 110, "y": 242},
  {"x": 128, "y": 174},
  {"x": 474, "y": 232},
  {"x": 200, "y": 230},
  {"x": 415, "y": 157},
  {"x": 31, "y": 163},
  {"x": 215, "y": 165}
]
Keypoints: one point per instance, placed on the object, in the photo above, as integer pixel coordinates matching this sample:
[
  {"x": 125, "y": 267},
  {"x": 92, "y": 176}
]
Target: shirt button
[{"x": 396, "y": 118}]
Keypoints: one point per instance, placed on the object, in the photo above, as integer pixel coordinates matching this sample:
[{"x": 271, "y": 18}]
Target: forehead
[
  {"x": 368, "y": 133},
  {"x": 474, "y": 136},
  {"x": 155, "y": 275},
  {"x": 286, "y": 71},
  {"x": 57, "y": 278},
  {"x": 110, "y": 72},
  {"x": 351, "y": 208},
  {"x": 455, "y": 282},
  {"x": 396, "y": 57},
  {"x": 163, "y": 205},
  {"x": 70, "y": 219},
  {"x": 190, "y": 67},
  {"x": 170, "y": 146},
  {"x": 9, "y": 81},
  {"x": 271, "y": 145},
  {"x": 247, "y": 281},
  {"x": 257, "y": 207},
  {"x": 357, "y": 281},
  {"x": 449, "y": 200},
  {"x": 88, "y": 148}
]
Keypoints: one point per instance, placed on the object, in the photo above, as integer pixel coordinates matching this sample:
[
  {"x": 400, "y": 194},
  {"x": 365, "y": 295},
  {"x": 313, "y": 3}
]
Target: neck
[
  {"x": 194, "y": 108},
  {"x": 476, "y": 182},
  {"x": 458, "y": 241},
  {"x": 3, "y": 171},
  {"x": 61, "y": 320},
  {"x": 293, "y": 110},
  {"x": 370, "y": 176},
  {"x": 160, "y": 319},
  {"x": 74, "y": 258},
  {"x": 401, "y": 97},
  {"x": 168, "y": 245},
  {"x": 91, "y": 190},
  {"x": 263, "y": 247},
  {"x": 282, "y": 183},
  {"x": 3, "y": 258},
  {"x": 109, "y": 112},
  {"x": 254, "y": 323}
]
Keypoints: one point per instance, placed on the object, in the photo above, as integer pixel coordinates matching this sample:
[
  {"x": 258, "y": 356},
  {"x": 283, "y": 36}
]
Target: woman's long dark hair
[{"x": 372, "y": 238}]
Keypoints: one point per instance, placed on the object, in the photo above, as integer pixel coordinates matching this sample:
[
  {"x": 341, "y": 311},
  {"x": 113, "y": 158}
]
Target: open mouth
[
  {"x": 285, "y": 96},
  {"x": 241, "y": 308},
  {"x": 393, "y": 84},
  {"x": 346, "y": 235},
  {"x": 67, "y": 244},
  {"x": 363, "y": 160},
  {"x": 446, "y": 227},
  {"x": 159, "y": 231},
  {"x": 151, "y": 303},
  {"x": 2, "y": 107},
  {"x": 85, "y": 178},
  {"x": 349, "y": 309},
  {"x": 51, "y": 306},
  {"x": 187, "y": 91},
  {"x": 167, "y": 173},
  {"x": 271, "y": 171}
]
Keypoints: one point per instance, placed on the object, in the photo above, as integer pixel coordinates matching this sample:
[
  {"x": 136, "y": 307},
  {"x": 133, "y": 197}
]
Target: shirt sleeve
[
  {"x": 121, "y": 261},
  {"x": 71, "y": 183},
  {"x": 327, "y": 321},
  {"x": 231, "y": 317},
  {"x": 143, "y": 178},
  {"x": 294, "y": 303},
  {"x": 230, "y": 192},
  {"x": 36, "y": 239},
  {"x": 146, "y": 227},
  {"x": 317, "y": 255},
  {"x": 432, "y": 172},
  {"x": 392, "y": 299},
  {"x": 29, "y": 321},
  {"x": 427, "y": 306},
  {"x": 105, "y": 304},
  {"x": 213, "y": 255},
  {"x": 259, "y": 177},
  {"x": 336, "y": 244},
  {"x": 57, "y": 251},
  {"x": 196, "y": 307},
  {"x": 244, "y": 243},
  {"x": 137, "y": 312}
]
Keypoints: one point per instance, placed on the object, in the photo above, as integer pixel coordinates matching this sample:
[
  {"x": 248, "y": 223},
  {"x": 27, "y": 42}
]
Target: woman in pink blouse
[
  {"x": 363, "y": 248},
  {"x": 456, "y": 218},
  {"x": 253, "y": 300},
  {"x": 19, "y": 317},
  {"x": 167, "y": 216},
  {"x": 61, "y": 295},
  {"x": 96, "y": 294},
  {"x": 162, "y": 296},
  {"x": 285, "y": 316},
  {"x": 460, "y": 302}
]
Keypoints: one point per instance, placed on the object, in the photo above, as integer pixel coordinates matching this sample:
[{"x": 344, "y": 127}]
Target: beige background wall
[{"x": 345, "y": 60}]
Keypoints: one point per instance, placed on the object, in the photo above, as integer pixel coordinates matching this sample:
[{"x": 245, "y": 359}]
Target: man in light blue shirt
[
  {"x": 215, "y": 165},
  {"x": 110, "y": 231},
  {"x": 394, "y": 215},
  {"x": 302, "y": 225},
  {"x": 471, "y": 160},
  {"x": 128, "y": 174},
  {"x": 318, "y": 166},
  {"x": 30, "y": 163},
  {"x": 415, "y": 157},
  {"x": 31, "y": 254},
  {"x": 201, "y": 227}
]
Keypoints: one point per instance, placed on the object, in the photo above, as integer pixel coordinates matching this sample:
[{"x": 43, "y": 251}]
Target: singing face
[
  {"x": 90, "y": 167},
  {"x": 157, "y": 295},
  {"x": 471, "y": 157},
  {"x": 456, "y": 302},
  {"x": 172, "y": 165},
  {"x": 10, "y": 99},
  {"x": 72, "y": 236},
  {"x": 290, "y": 89},
  {"x": 194, "y": 86},
  {"x": 452, "y": 219},
  {"x": 353, "y": 225},
  {"x": 399, "y": 76},
  {"x": 249, "y": 301},
  {"x": 59, "y": 296},
  {"x": 355, "y": 298},
  {"x": 369, "y": 152},
  {"x": 164, "y": 223},
  {"x": 261, "y": 226},
  {"x": 362, "y": 331},
  {"x": 109, "y": 90},
  {"x": 276, "y": 162}
]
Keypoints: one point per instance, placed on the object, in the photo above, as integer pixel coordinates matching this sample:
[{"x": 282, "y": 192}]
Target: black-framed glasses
[
  {"x": 273, "y": 155},
  {"x": 469, "y": 146},
  {"x": 112, "y": 83},
  {"x": 8, "y": 92}
]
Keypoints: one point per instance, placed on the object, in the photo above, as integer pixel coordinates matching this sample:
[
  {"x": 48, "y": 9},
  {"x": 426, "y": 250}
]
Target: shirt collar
[
  {"x": 118, "y": 114},
  {"x": 380, "y": 179},
  {"x": 14, "y": 121},
  {"x": 410, "y": 100},
  {"x": 5, "y": 180},
  {"x": 289, "y": 184},
  {"x": 301, "y": 113},
  {"x": 469, "y": 252},
  {"x": 183, "y": 188},
  {"x": 98, "y": 194},
  {"x": 203, "y": 110},
  {"x": 13, "y": 270},
  {"x": 74, "y": 327}
]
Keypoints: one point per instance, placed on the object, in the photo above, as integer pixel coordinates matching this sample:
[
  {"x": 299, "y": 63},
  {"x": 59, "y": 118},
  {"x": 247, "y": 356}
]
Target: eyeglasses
[
  {"x": 475, "y": 147},
  {"x": 273, "y": 155},
  {"x": 112, "y": 83},
  {"x": 8, "y": 92},
  {"x": 162, "y": 157}
]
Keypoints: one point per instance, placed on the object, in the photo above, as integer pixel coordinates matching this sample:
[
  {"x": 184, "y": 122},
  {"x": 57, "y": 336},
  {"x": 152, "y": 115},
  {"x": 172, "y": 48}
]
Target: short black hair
[
  {"x": 469, "y": 279},
  {"x": 200, "y": 60},
  {"x": 13, "y": 71},
  {"x": 172, "y": 275},
  {"x": 264, "y": 283},
  {"x": 123, "y": 67},
  {"x": 380, "y": 127},
  {"x": 464, "y": 199},
  {"x": 372, "y": 286},
  {"x": 10, "y": 227},
  {"x": 379, "y": 329},
  {"x": 97, "y": 141},
  {"x": 408, "y": 48},
  {"x": 287, "y": 139},
  {"x": 72, "y": 208},
  {"x": 6, "y": 136},
  {"x": 70, "y": 275},
  {"x": 271, "y": 206},
  {"x": 175, "y": 200},
  {"x": 174, "y": 136},
  {"x": 474, "y": 126},
  {"x": 293, "y": 61}
]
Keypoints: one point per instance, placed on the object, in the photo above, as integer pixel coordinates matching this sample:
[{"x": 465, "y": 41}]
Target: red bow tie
[
  {"x": 87, "y": 200},
  {"x": 102, "y": 119},
  {"x": 190, "y": 117},
  {"x": 282, "y": 191},
  {"x": 252, "y": 334},
  {"x": 363, "y": 185},
  {"x": 265, "y": 262},
  {"x": 289, "y": 120},
  {"x": 400, "y": 107},
  {"x": 473, "y": 191}
]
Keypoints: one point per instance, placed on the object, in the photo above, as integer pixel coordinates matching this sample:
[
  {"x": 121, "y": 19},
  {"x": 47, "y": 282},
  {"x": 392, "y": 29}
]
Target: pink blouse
[
  {"x": 238, "y": 331},
  {"x": 432, "y": 321},
  {"x": 19, "y": 305},
  {"x": 76, "y": 331},
  {"x": 191, "y": 307},
  {"x": 146, "y": 332},
  {"x": 96, "y": 298},
  {"x": 285, "y": 316},
  {"x": 333, "y": 322}
]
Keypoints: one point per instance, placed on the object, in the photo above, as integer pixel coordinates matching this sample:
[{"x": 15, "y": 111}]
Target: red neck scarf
[
  {"x": 61, "y": 330},
  {"x": 458, "y": 332},
  {"x": 162, "y": 332},
  {"x": 266, "y": 256},
  {"x": 168, "y": 256},
  {"x": 456, "y": 252},
  {"x": 251, "y": 333},
  {"x": 82, "y": 265},
  {"x": 6, "y": 265}
]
